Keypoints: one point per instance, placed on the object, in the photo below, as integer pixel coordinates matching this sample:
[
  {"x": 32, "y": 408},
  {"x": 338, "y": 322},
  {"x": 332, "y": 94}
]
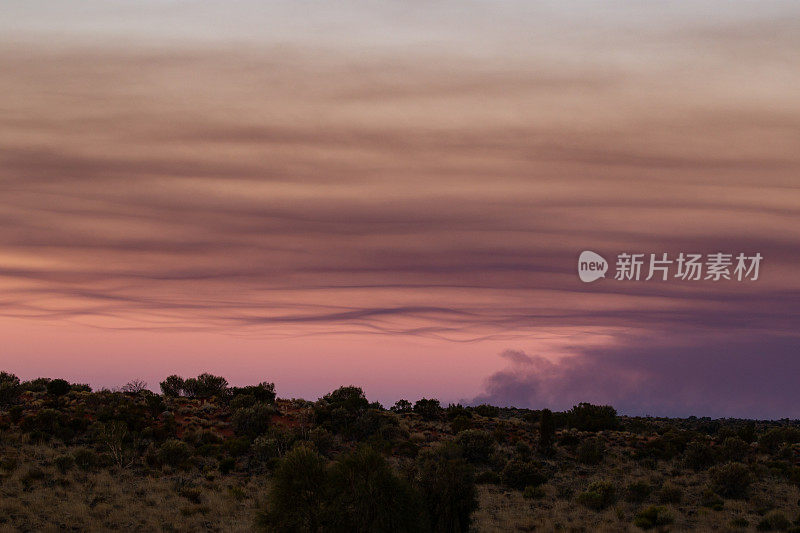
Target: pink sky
[{"x": 395, "y": 196}]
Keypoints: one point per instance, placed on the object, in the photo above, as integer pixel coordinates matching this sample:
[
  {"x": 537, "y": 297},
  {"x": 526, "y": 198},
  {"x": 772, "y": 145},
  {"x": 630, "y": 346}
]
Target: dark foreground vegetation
[{"x": 205, "y": 456}]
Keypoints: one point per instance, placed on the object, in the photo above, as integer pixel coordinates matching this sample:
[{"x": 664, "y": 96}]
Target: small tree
[
  {"x": 429, "y": 409},
  {"x": 402, "y": 407},
  {"x": 297, "y": 499},
  {"x": 135, "y": 386},
  {"x": 58, "y": 387},
  {"x": 547, "y": 432},
  {"x": 172, "y": 386},
  {"x": 10, "y": 389},
  {"x": 447, "y": 487},
  {"x": 477, "y": 445}
]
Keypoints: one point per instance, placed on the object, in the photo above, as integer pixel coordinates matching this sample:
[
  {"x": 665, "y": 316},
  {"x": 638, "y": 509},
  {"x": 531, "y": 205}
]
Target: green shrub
[
  {"x": 253, "y": 421},
  {"x": 638, "y": 491},
  {"x": 402, "y": 407},
  {"x": 205, "y": 386},
  {"x": 172, "y": 386},
  {"x": 227, "y": 465},
  {"x": 731, "y": 480},
  {"x": 459, "y": 424},
  {"x": 734, "y": 449},
  {"x": 591, "y": 451},
  {"x": 547, "y": 432},
  {"x": 698, "y": 455},
  {"x": 588, "y": 417},
  {"x": 653, "y": 516},
  {"x": 366, "y": 495},
  {"x": 446, "y": 485},
  {"x": 519, "y": 474},
  {"x": 774, "y": 521},
  {"x": 10, "y": 389},
  {"x": 58, "y": 387},
  {"x": 599, "y": 495},
  {"x": 489, "y": 411},
  {"x": 298, "y": 497},
  {"x": 64, "y": 463},
  {"x": 477, "y": 445},
  {"x": 429, "y": 409},
  {"x": 174, "y": 453}
]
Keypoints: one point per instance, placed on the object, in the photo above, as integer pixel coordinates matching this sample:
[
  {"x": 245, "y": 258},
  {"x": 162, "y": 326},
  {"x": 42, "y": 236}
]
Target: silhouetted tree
[
  {"x": 172, "y": 386},
  {"x": 547, "y": 432},
  {"x": 10, "y": 389}
]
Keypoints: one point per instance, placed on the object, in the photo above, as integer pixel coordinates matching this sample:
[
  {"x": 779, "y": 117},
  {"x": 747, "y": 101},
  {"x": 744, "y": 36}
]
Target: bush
[
  {"x": 731, "y": 480},
  {"x": 297, "y": 499},
  {"x": 10, "y": 389},
  {"x": 477, "y": 445},
  {"x": 488, "y": 477},
  {"x": 429, "y": 409},
  {"x": 205, "y": 386},
  {"x": 366, "y": 495},
  {"x": 774, "y": 521},
  {"x": 734, "y": 449},
  {"x": 533, "y": 493},
  {"x": 653, "y": 516},
  {"x": 85, "y": 459},
  {"x": 174, "y": 453},
  {"x": 709, "y": 498},
  {"x": 402, "y": 407},
  {"x": 64, "y": 463},
  {"x": 489, "y": 411},
  {"x": 263, "y": 392},
  {"x": 591, "y": 451},
  {"x": 172, "y": 386},
  {"x": 598, "y": 496},
  {"x": 547, "y": 432},
  {"x": 227, "y": 465},
  {"x": 638, "y": 491},
  {"x": 698, "y": 455},
  {"x": 588, "y": 417},
  {"x": 447, "y": 488},
  {"x": 253, "y": 421},
  {"x": 519, "y": 474},
  {"x": 58, "y": 387},
  {"x": 459, "y": 424}
]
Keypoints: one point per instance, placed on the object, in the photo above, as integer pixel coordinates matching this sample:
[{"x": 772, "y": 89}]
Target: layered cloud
[{"x": 436, "y": 189}]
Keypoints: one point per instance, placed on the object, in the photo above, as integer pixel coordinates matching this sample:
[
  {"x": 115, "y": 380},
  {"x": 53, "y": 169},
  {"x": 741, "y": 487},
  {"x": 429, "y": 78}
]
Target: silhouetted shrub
[
  {"x": 774, "y": 439},
  {"x": 477, "y": 445},
  {"x": 653, "y": 516},
  {"x": 205, "y": 386},
  {"x": 366, "y": 495},
  {"x": 10, "y": 389},
  {"x": 174, "y": 453},
  {"x": 447, "y": 487},
  {"x": 429, "y": 409},
  {"x": 734, "y": 449},
  {"x": 774, "y": 521},
  {"x": 591, "y": 451},
  {"x": 588, "y": 417},
  {"x": 547, "y": 432},
  {"x": 58, "y": 387},
  {"x": 456, "y": 411},
  {"x": 731, "y": 480},
  {"x": 402, "y": 407},
  {"x": 253, "y": 421},
  {"x": 519, "y": 474},
  {"x": 227, "y": 465},
  {"x": 489, "y": 411},
  {"x": 459, "y": 424},
  {"x": 264, "y": 392},
  {"x": 533, "y": 493},
  {"x": 638, "y": 491},
  {"x": 598, "y": 496},
  {"x": 698, "y": 455},
  {"x": 35, "y": 385},
  {"x": 172, "y": 386},
  {"x": 297, "y": 499},
  {"x": 135, "y": 386}
]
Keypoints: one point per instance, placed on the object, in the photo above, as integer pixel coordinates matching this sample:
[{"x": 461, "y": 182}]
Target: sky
[{"x": 395, "y": 195}]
